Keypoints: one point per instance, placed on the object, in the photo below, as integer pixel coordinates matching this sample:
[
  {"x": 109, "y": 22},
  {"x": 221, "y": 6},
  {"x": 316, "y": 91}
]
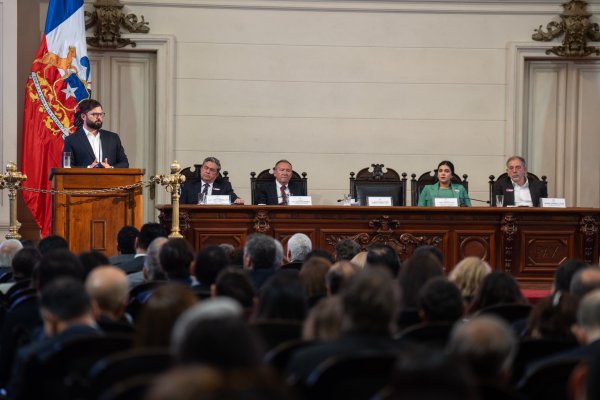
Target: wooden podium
[{"x": 91, "y": 221}]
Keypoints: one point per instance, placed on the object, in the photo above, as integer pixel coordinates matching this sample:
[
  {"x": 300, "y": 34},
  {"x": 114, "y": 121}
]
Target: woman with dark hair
[
  {"x": 497, "y": 288},
  {"x": 444, "y": 188}
]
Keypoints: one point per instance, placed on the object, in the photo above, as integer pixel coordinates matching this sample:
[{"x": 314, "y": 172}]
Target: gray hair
[
  {"x": 523, "y": 161},
  {"x": 208, "y": 309},
  {"x": 588, "y": 312},
  {"x": 8, "y": 249},
  {"x": 278, "y": 254},
  {"x": 299, "y": 246},
  {"x": 261, "y": 250},
  {"x": 213, "y": 160},
  {"x": 152, "y": 261},
  {"x": 486, "y": 343}
]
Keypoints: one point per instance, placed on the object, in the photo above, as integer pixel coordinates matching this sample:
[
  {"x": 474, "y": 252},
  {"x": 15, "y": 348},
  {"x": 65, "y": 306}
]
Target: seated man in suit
[
  {"x": 209, "y": 184},
  {"x": 281, "y": 189},
  {"x": 516, "y": 188},
  {"x": 92, "y": 147}
]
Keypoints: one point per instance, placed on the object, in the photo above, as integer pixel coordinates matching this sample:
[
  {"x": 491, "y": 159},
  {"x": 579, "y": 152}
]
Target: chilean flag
[{"x": 58, "y": 82}]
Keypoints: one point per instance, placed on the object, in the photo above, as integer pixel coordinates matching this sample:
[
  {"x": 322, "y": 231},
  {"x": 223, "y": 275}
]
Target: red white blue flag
[{"x": 58, "y": 82}]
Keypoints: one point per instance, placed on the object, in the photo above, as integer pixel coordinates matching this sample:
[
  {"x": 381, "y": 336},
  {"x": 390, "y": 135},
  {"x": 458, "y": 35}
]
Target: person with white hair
[
  {"x": 8, "y": 249},
  {"x": 298, "y": 247}
]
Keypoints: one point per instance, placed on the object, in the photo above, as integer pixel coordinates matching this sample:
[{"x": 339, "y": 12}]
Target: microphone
[{"x": 478, "y": 200}]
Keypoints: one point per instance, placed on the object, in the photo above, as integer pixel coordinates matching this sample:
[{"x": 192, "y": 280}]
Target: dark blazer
[
  {"x": 190, "y": 190},
  {"x": 267, "y": 192},
  {"x": 505, "y": 187},
  {"x": 82, "y": 153}
]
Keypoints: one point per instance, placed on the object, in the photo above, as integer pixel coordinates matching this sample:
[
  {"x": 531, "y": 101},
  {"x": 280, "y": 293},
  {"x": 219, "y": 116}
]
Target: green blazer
[{"x": 430, "y": 192}]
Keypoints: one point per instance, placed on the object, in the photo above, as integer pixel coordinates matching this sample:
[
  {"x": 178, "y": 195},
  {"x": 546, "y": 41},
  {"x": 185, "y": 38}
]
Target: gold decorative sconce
[
  {"x": 108, "y": 18},
  {"x": 578, "y": 29}
]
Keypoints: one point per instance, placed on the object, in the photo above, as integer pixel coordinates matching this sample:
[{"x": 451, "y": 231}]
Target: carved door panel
[{"x": 125, "y": 84}]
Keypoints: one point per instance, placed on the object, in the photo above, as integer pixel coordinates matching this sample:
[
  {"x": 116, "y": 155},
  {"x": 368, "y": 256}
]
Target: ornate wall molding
[{"x": 107, "y": 19}]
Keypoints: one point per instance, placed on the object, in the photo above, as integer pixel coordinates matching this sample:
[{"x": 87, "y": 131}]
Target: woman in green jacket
[{"x": 444, "y": 188}]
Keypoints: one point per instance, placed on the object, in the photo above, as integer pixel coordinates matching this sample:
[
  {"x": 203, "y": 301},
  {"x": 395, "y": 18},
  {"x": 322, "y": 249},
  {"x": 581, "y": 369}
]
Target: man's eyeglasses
[{"x": 96, "y": 115}]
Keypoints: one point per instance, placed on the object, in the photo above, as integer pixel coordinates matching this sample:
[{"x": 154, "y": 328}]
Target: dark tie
[
  {"x": 283, "y": 195},
  {"x": 205, "y": 190}
]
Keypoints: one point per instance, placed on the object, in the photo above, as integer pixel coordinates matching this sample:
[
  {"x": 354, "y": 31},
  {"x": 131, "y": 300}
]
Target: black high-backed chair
[
  {"x": 530, "y": 177},
  {"x": 377, "y": 183},
  {"x": 193, "y": 174},
  {"x": 266, "y": 177},
  {"x": 429, "y": 178}
]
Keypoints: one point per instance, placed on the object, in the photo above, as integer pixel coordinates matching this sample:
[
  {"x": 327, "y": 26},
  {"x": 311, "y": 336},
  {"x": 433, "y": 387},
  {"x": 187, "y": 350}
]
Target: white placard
[
  {"x": 300, "y": 201},
  {"x": 379, "y": 201},
  {"x": 218, "y": 200},
  {"x": 445, "y": 202},
  {"x": 553, "y": 203}
]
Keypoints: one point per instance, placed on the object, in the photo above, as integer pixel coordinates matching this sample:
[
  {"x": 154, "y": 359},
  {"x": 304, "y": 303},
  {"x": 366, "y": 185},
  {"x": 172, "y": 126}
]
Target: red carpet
[{"x": 535, "y": 295}]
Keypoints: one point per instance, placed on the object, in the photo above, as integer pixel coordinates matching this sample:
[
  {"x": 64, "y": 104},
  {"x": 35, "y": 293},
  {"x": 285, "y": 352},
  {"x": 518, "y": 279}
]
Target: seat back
[
  {"x": 530, "y": 177},
  {"x": 377, "y": 183},
  {"x": 549, "y": 380},
  {"x": 279, "y": 356},
  {"x": 350, "y": 377},
  {"x": 124, "y": 365},
  {"x": 433, "y": 335},
  {"x": 508, "y": 312},
  {"x": 266, "y": 177},
  {"x": 193, "y": 173},
  {"x": 274, "y": 332},
  {"x": 531, "y": 350},
  {"x": 429, "y": 178},
  {"x": 139, "y": 294}
]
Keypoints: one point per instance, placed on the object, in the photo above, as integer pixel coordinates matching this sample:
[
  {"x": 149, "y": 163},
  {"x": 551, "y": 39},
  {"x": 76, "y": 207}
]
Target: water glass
[
  {"x": 347, "y": 200},
  {"x": 67, "y": 159},
  {"x": 499, "y": 200}
]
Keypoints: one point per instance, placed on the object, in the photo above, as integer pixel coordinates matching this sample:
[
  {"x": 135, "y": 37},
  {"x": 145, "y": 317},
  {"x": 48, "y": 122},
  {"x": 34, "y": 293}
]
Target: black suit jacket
[
  {"x": 267, "y": 192},
  {"x": 505, "y": 187},
  {"x": 82, "y": 153},
  {"x": 189, "y": 193}
]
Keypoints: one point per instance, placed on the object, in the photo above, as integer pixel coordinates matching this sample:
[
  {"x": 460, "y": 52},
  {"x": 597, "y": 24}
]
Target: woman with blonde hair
[{"x": 468, "y": 275}]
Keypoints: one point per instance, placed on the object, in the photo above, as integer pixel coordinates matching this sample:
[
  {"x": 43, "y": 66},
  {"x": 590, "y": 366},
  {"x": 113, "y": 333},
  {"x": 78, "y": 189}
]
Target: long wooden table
[{"x": 527, "y": 242}]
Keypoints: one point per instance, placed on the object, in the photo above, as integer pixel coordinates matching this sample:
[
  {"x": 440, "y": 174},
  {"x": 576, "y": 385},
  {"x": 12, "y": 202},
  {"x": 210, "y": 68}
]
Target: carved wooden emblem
[
  {"x": 262, "y": 222},
  {"x": 166, "y": 219},
  {"x": 589, "y": 227},
  {"x": 509, "y": 228}
]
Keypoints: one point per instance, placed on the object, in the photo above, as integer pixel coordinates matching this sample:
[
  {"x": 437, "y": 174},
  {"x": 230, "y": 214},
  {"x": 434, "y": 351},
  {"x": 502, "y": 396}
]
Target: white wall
[{"x": 334, "y": 86}]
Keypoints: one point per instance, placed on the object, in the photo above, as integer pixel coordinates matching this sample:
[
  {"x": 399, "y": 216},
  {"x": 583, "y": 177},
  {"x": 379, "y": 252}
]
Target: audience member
[
  {"x": 23, "y": 264},
  {"x": 90, "y": 260},
  {"x": 148, "y": 233},
  {"x": 66, "y": 311},
  {"x": 553, "y": 318},
  {"x": 320, "y": 253},
  {"x": 324, "y": 321},
  {"x": 214, "y": 333},
  {"x": 279, "y": 254},
  {"x": 416, "y": 271},
  {"x": 176, "y": 257},
  {"x": 109, "y": 293},
  {"x": 564, "y": 274},
  {"x": 259, "y": 258},
  {"x": 584, "y": 281},
  {"x": 236, "y": 284},
  {"x": 488, "y": 347},
  {"x": 440, "y": 301},
  {"x": 338, "y": 275},
  {"x": 370, "y": 305},
  {"x": 434, "y": 250},
  {"x": 468, "y": 275},
  {"x": 158, "y": 315},
  {"x": 125, "y": 245},
  {"x": 298, "y": 247},
  {"x": 52, "y": 243},
  {"x": 382, "y": 255},
  {"x": 346, "y": 249},
  {"x": 236, "y": 257},
  {"x": 313, "y": 275},
  {"x": 8, "y": 249},
  {"x": 497, "y": 288},
  {"x": 210, "y": 260},
  {"x": 283, "y": 297}
]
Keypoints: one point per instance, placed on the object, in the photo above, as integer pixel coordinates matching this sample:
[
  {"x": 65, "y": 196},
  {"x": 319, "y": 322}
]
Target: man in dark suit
[
  {"x": 148, "y": 233},
  {"x": 210, "y": 184},
  {"x": 92, "y": 147},
  {"x": 279, "y": 191},
  {"x": 516, "y": 188}
]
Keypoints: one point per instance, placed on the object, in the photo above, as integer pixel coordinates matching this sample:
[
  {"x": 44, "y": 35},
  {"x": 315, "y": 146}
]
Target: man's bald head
[{"x": 108, "y": 289}]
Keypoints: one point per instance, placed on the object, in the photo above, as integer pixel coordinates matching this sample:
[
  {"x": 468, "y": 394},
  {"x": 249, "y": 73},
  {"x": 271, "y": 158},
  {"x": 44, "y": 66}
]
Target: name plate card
[
  {"x": 300, "y": 201},
  {"x": 379, "y": 201},
  {"x": 553, "y": 203},
  {"x": 445, "y": 202},
  {"x": 218, "y": 200}
]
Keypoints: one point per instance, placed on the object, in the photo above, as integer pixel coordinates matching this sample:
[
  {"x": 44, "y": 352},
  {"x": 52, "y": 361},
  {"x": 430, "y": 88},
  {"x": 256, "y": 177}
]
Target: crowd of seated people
[{"x": 289, "y": 322}]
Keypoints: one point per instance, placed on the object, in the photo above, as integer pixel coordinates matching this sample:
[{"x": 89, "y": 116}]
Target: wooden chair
[
  {"x": 429, "y": 178},
  {"x": 530, "y": 177},
  {"x": 193, "y": 174},
  {"x": 376, "y": 183},
  {"x": 266, "y": 177}
]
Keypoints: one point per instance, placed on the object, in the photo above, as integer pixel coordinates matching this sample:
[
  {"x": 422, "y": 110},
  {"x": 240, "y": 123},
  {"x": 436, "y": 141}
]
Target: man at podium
[{"x": 93, "y": 147}]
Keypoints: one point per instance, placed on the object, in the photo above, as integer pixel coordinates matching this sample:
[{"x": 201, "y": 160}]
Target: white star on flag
[{"x": 69, "y": 91}]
